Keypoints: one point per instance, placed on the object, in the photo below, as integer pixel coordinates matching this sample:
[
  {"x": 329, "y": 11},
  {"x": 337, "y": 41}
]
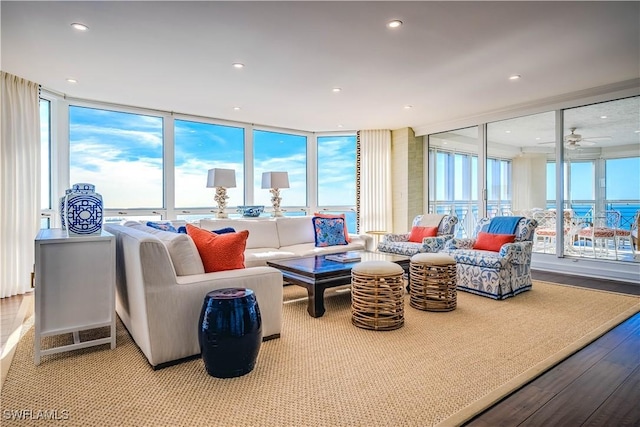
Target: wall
[
  {"x": 407, "y": 162},
  {"x": 529, "y": 182}
]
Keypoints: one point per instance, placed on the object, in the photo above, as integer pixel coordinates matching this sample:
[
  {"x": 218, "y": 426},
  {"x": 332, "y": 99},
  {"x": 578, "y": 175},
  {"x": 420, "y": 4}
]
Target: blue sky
[{"x": 122, "y": 153}]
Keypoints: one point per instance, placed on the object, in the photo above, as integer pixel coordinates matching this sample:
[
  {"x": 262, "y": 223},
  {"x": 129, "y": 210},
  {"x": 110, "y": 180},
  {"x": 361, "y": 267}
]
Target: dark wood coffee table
[{"x": 315, "y": 273}]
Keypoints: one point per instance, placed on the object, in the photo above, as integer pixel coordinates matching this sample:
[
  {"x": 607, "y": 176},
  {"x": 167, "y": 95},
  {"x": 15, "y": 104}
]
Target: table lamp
[
  {"x": 274, "y": 181},
  {"x": 221, "y": 179}
]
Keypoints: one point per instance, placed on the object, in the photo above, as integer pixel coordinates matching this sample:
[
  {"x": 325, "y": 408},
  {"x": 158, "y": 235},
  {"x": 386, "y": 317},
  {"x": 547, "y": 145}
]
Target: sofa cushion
[
  {"x": 182, "y": 250},
  {"x": 259, "y": 256},
  {"x": 263, "y": 233},
  {"x": 324, "y": 215},
  {"x": 479, "y": 258},
  {"x": 329, "y": 231},
  {"x": 309, "y": 249},
  {"x": 295, "y": 230},
  {"x": 219, "y": 252},
  {"x": 418, "y": 233},
  {"x": 491, "y": 241}
]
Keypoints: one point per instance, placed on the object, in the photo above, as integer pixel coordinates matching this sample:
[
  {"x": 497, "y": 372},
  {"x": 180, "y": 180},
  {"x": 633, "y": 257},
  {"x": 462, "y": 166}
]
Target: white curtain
[
  {"x": 19, "y": 182},
  {"x": 374, "y": 177}
]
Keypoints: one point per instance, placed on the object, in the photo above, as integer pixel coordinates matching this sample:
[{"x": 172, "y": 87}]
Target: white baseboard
[{"x": 602, "y": 269}]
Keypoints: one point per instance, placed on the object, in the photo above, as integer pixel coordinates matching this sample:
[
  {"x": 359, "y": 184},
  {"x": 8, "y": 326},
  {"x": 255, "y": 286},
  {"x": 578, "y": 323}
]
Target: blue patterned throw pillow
[
  {"x": 329, "y": 231},
  {"x": 224, "y": 230},
  {"x": 165, "y": 226}
]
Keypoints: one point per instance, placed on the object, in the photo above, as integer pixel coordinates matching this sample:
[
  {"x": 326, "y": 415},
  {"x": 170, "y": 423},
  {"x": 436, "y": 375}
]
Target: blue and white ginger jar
[{"x": 83, "y": 210}]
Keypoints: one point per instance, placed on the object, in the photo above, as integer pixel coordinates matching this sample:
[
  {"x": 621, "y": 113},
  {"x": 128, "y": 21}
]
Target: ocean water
[{"x": 627, "y": 212}]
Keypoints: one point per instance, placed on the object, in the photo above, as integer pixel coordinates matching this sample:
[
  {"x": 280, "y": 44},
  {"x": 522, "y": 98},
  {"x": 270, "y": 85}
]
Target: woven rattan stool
[
  {"x": 377, "y": 295},
  {"x": 432, "y": 282}
]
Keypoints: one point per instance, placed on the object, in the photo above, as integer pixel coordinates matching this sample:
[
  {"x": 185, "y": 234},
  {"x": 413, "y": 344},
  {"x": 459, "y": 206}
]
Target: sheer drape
[
  {"x": 19, "y": 182},
  {"x": 374, "y": 180}
]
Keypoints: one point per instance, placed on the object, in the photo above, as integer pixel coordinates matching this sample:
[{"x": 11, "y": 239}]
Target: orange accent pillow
[
  {"x": 219, "y": 252},
  {"x": 346, "y": 232},
  {"x": 418, "y": 233},
  {"x": 492, "y": 242}
]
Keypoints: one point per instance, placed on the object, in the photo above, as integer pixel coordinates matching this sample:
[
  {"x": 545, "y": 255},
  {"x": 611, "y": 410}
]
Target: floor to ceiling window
[
  {"x": 151, "y": 165},
  {"x": 600, "y": 189},
  {"x": 602, "y": 152},
  {"x": 453, "y": 177},
  {"x": 518, "y": 150}
]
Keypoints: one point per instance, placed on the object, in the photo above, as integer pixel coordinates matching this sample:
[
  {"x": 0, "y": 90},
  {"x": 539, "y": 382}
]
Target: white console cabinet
[{"x": 74, "y": 288}]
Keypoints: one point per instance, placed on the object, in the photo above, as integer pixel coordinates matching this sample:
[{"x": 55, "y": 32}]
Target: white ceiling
[{"x": 450, "y": 60}]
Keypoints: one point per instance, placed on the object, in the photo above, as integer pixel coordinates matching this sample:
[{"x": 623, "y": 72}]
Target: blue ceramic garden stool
[{"x": 230, "y": 332}]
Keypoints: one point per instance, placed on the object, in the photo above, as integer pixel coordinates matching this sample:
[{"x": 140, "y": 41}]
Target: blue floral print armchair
[
  {"x": 496, "y": 275},
  {"x": 400, "y": 244}
]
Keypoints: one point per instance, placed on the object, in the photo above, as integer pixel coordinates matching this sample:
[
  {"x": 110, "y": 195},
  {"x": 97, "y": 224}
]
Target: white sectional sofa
[
  {"x": 161, "y": 285},
  {"x": 283, "y": 237}
]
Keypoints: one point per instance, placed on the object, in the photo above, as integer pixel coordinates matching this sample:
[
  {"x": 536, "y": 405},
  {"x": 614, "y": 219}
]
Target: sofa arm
[
  {"x": 459, "y": 243},
  {"x": 435, "y": 244},
  {"x": 173, "y": 311},
  {"x": 517, "y": 252},
  {"x": 366, "y": 239}
]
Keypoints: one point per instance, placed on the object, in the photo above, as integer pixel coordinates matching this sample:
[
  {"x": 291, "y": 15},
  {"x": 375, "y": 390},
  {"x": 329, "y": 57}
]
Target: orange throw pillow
[
  {"x": 418, "y": 233},
  {"x": 219, "y": 252},
  {"x": 492, "y": 242},
  {"x": 346, "y": 232}
]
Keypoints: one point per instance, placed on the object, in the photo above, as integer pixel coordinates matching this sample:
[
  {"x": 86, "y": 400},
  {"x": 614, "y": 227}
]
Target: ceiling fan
[{"x": 575, "y": 140}]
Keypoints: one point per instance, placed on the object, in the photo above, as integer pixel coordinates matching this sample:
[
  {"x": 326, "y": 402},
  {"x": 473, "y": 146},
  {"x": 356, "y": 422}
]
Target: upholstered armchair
[
  {"x": 400, "y": 244},
  {"x": 495, "y": 274}
]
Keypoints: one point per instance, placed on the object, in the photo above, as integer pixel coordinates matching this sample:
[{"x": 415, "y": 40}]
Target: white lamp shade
[
  {"x": 221, "y": 178},
  {"x": 275, "y": 180}
]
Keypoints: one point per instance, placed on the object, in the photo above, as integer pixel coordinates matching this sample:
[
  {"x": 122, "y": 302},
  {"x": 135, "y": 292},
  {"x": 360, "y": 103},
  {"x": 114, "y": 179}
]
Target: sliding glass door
[
  {"x": 453, "y": 177},
  {"x": 602, "y": 154}
]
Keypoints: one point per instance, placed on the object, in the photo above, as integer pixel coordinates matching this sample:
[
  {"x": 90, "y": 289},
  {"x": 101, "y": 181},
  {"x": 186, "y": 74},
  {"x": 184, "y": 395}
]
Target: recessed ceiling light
[
  {"x": 408, "y": 107},
  {"x": 603, "y": 117},
  {"x": 336, "y": 89},
  {"x": 238, "y": 65},
  {"x": 515, "y": 77},
  {"x": 236, "y": 108},
  {"x": 80, "y": 27},
  {"x": 637, "y": 131},
  {"x": 72, "y": 80},
  {"x": 394, "y": 24},
  {"x": 339, "y": 126},
  {"x": 538, "y": 138},
  {"x": 507, "y": 131}
]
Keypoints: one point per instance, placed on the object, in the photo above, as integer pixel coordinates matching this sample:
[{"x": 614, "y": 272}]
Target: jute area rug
[{"x": 439, "y": 368}]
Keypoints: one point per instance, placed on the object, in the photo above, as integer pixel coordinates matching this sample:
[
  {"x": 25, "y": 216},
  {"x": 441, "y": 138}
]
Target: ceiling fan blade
[
  {"x": 585, "y": 142},
  {"x": 547, "y": 142}
]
